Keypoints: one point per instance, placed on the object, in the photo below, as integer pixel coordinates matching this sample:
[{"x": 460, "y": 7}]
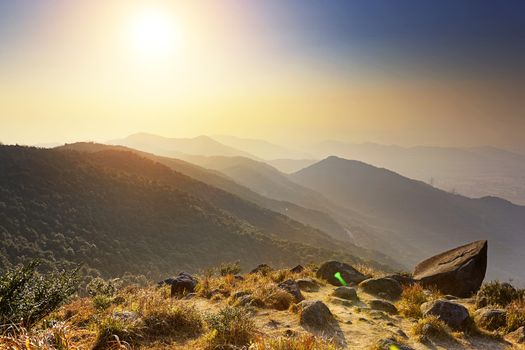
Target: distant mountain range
[{"x": 117, "y": 212}]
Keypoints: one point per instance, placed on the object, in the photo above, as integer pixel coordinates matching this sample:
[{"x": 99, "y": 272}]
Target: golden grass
[
  {"x": 432, "y": 327},
  {"x": 411, "y": 300},
  {"x": 515, "y": 315},
  {"x": 301, "y": 342}
]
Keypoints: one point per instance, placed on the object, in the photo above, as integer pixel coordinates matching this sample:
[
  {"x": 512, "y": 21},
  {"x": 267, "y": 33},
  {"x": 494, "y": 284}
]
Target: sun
[{"x": 154, "y": 34}]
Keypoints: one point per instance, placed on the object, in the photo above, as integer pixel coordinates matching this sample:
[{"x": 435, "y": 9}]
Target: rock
[
  {"x": 518, "y": 336},
  {"x": 344, "y": 292},
  {"x": 382, "y": 305},
  {"x": 291, "y": 287},
  {"x": 350, "y": 275},
  {"x": 307, "y": 285},
  {"x": 390, "y": 344},
  {"x": 249, "y": 300},
  {"x": 182, "y": 284},
  {"x": 459, "y": 271},
  {"x": 297, "y": 269},
  {"x": 238, "y": 277},
  {"x": 402, "y": 279},
  {"x": 389, "y": 287},
  {"x": 339, "y": 301},
  {"x": 317, "y": 319},
  {"x": 262, "y": 268},
  {"x": 166, "y": 282},
  {"x": 240, "y": 293},
  {"x": 491, "y": 319},
  {"x": 454, "y": 315}
]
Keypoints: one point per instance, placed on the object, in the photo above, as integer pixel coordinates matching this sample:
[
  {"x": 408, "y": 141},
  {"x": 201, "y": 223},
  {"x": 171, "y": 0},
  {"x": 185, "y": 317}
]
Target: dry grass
[
  {"x": 411, "y": 299},
  {"x": 433, "y": 328},
  {"x": 370, "y": 271},
  {"x": 229, "y": 327},
  {"x": 515, "y": 315},
  {"x": 301, "y": 342}
]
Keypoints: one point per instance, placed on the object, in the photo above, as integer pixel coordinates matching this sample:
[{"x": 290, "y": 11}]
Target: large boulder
[
  {"x": 459, "y": 271},
  {"x": 387, "y": 287},
  {"x": 456, "y": 316},
  {"x": 316, "y": 318},
  {"x": 184, "y": 283},
  {"x": 491, "y": 319},
  {"x": 350, "y": 275},
  {"x": 293, "y": 288}
]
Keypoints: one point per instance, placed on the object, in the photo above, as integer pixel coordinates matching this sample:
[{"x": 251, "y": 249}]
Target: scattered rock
[
  {"x": 249, "y": 300},
  {"x": 456, "y": 316},
  {"x": 340, "y": 301},
  {"x": 459, "y": 271},
  {"x": 344, "y": 292},
  {"x": 297, "y": 269},
  {"x": 317, "y": 319},
  {"x": 402, "y": 334},
  {"x": 382, "y": 305},
  {"x": 273, "y": 324},
  {"x": 388, "y": 287},
  {"x": 402, "y": 279},
  {"x": 350, "y": 275},
  {"x": 518, "y": 336},
  {"x": 240, "y": 293},
  {"x": 491, "y": 319},
  {"x": 262, "y": 268},
  {"x": 182, "y": 284},
  {"x": 291, "y": 287},
  {"x": 166, "y": 282},
  {"x": 389, "y": 344},
  {"x": 307, "y": 285}
]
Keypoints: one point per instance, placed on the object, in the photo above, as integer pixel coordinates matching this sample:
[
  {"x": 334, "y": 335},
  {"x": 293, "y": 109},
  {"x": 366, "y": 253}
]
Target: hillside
[
  {"x": 117, "y": 212},
  {"x": 418, "y": 219},
  {"x": 314, "y": 218}
]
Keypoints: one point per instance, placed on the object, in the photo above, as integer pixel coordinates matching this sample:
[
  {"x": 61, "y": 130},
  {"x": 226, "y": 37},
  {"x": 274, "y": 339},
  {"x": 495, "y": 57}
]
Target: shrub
[
  {"x": 100, "y": 286},
  {"x": 411, "y": 299},
  {"x": 302, "y": 342},
  {"x": 515, "y": 315},
  {"x": 172, "y": 321},
  {"x": 231, "y": 268},
  {"x": 497, "y": 293},
  {"x": 26, "y": 296},
  {"x": 116, "y": 332},
  {"x": 431, "y": 327},
  {"x": 273, "y": 297},
  {"x": 101, "y": 302},
  {"x": 231, "y": 326}
]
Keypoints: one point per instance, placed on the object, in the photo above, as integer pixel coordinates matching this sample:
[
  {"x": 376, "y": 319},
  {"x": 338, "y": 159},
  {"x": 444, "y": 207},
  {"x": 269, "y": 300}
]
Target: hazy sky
[{"x": 447, "y": 72}]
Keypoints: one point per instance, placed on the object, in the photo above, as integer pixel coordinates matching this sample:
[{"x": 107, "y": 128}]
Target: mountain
[
  {"x": 116, "y": 212},
  {"x": 260, "y": 148},
  {"x": 416, "y": 217},
  {"x": 474, "y": 172},
  {"x": 176, "y": 147},
  {"x": 289, "y": 166},
  {"x": 314, "y": 218}
]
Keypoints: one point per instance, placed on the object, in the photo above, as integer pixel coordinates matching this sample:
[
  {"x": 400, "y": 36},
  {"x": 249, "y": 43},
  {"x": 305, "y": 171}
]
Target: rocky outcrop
[
  {"x": 297, "y": 269},
  {"x": 184, "y": 283},
  {"x": 291, "y": 287},
  {"x": 491, "y": 319},
  {"x": 347, "y": 293},
  {"x": 350, "y": 275},
  {"x": 383, "y": 305},
  {"x": 388, "y": 288},
  {"x": 456, "y": 316},
  {"x": 459, "y": 271}
]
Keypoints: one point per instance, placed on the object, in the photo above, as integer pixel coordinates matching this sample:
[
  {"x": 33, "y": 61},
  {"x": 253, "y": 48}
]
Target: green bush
[
  {"x": 231, "y": 268},
  {"x": 497, "y": 293},
  {"x": 26, "y": 296},
  {"x": 99, "y": 286},
  {"x": 231, "y": 326}
]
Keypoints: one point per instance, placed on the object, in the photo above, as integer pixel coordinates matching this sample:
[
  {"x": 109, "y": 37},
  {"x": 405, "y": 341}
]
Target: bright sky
[{"x": 408, "y": 72}]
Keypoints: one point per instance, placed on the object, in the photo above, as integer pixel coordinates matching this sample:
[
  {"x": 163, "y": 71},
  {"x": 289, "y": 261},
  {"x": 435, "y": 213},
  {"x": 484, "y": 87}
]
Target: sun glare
[{"x": 154, "y": 34}]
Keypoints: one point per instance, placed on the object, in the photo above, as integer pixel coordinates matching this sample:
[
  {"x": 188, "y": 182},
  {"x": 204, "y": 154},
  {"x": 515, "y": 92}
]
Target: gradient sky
[{"x": 447, "y": 72}]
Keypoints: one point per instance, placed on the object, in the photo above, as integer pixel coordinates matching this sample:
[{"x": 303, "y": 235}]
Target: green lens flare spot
[{"x": 340, "y": 278}]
